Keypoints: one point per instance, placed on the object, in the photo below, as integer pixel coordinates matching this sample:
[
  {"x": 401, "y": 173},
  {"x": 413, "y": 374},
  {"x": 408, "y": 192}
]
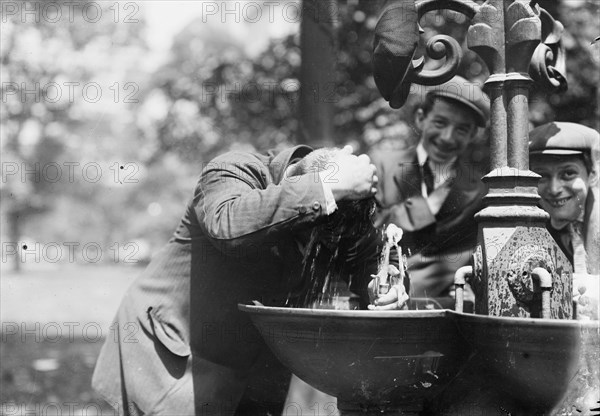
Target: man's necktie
[
  {"x": 579, "y": 254},
  {"x": 427, "y": 177}
]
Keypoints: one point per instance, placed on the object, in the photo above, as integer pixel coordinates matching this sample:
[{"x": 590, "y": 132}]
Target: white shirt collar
[
  {"x": 440, "y": 171},
  {"x": 421, "y": 154},
  {"x": 422, "y": 158}
]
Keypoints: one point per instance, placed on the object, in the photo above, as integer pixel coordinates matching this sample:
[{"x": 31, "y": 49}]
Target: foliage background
[
  {"x": 215, "y": 88},
  {"x": 212, "y": 93}
]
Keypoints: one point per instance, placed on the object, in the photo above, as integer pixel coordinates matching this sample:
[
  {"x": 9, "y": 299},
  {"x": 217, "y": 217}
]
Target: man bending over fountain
[
  {"x": 566, "y": 157},
  {"x": 181, "y": 345}
]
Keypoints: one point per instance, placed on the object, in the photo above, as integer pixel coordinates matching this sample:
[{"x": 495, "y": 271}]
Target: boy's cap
[
  {"x": 562, "y": 138},
  {"x": 465, "y": 92}
]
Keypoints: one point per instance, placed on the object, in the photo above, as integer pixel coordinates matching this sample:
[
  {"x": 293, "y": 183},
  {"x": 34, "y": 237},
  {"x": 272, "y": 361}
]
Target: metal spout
[
  {"x": 543, "y": 278},
  {"x": 460, "y": 278}
]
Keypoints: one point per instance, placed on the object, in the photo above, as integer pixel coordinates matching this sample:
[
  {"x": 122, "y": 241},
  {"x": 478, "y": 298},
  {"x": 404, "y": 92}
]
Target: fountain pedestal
[{"x": 513, "y": 241}]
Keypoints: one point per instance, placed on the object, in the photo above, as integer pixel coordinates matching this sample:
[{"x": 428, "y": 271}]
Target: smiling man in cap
[
  {"x": 433, "y": 190},
  {"x": 566, "y": 157}
]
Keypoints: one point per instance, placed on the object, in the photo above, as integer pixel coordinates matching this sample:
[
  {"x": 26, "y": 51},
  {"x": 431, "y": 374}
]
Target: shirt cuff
[{"x": 330, "y": 205}]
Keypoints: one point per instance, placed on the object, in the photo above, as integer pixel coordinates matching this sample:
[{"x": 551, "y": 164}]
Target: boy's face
[
  {"x": 563, "y": 187},
  {"x": 446, "y": 130}
]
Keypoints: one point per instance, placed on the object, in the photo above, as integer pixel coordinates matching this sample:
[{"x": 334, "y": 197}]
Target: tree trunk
[
  {"x": 317, "y": 72},
  {"x": 14, "y": 234}
]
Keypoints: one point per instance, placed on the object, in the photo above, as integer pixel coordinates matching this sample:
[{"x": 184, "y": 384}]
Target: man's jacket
[
  {"x": 234, "y": 244},
  {"x": 591, "y": 234},
  {"x": 400, "y": 201}
]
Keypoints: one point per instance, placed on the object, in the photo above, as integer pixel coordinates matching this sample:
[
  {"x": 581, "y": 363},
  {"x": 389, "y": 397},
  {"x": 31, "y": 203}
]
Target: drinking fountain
[{"x": 521, "y": 352}]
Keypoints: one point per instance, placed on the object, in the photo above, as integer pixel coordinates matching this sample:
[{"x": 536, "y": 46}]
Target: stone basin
[
  {"x": 407, "y": 361},
  {"x": 537, "y": 366},
  {"x": 374, "y": 360}
]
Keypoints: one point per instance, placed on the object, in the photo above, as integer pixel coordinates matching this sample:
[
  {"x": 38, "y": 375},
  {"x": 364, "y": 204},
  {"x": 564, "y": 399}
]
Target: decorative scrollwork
[
  {"x": 438, "y": 47},
  {"x": 548, "y": 66},
  {"x": 396, "y": 37},
  {"x": 398, "y": 30}
]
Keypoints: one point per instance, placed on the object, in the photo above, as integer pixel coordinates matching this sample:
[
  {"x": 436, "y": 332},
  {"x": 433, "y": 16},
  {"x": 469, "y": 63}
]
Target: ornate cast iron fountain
[
  {"x": 515, "y": 39},
  {"x": 498, "y": 361}
]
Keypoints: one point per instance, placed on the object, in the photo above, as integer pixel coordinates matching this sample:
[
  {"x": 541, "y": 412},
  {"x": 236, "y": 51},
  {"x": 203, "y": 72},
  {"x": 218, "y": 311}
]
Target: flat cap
[
  {"x": 562, "y": 138},
  {"x": 467, "y": 93}
]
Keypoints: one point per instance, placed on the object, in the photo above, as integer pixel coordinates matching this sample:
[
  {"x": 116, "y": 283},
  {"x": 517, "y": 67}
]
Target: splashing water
[
  {"x": 327, "y": 250},
  {"x": 388, "y": 275},
  {"x": 329, "y": 244}
]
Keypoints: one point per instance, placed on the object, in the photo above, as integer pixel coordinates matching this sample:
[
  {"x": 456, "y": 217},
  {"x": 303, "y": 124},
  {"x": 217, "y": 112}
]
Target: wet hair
[
  {"x": 331, "y": 240},
  {"x": 352, "y": 217}
]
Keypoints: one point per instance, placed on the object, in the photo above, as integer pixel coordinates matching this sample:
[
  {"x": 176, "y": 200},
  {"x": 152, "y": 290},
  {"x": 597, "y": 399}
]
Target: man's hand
[{"x": 350, "y": 177}]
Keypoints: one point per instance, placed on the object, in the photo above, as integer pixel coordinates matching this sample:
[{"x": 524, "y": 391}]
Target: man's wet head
[{"x": 352, "y": 215}]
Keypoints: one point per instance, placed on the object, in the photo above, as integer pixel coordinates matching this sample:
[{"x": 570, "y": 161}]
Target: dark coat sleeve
[{"x": 237, "y": 201}]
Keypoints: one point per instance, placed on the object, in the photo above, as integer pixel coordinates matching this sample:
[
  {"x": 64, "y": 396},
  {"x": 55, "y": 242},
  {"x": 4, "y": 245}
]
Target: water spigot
[
  {"x": 543, "y": 278},
  {"x": 460, "y": 279}
]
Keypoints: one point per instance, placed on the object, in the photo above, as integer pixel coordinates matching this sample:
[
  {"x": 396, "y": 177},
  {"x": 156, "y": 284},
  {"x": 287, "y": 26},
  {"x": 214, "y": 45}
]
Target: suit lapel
[
  {"x": 407, "y": 178},
  {"x": 460, "y": 195}
]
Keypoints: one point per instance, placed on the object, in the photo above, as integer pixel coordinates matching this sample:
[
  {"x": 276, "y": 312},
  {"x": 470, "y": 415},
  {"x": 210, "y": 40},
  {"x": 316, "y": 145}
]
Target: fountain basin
[
  {"x": 386, "y": 361},
  {"x": 376, "y": 360},
  {"x": 535, "y": 362}
]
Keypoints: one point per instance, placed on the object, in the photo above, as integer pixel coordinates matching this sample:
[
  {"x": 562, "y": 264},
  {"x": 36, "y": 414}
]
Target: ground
[{"x": 54, "y": 322}]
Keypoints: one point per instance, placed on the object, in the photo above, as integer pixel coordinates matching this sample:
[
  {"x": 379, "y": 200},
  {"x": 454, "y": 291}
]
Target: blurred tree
[
  {"x": 238, "y": 101},
  {"x": 211, "y": 96},
  {"x": 49, "y": 61}
]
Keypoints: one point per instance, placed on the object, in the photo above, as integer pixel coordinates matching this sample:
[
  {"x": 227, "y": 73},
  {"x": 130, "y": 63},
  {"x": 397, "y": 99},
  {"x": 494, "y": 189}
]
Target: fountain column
[
  {"x": 513, "y": 239},
  {"x": 520, "y": 43}
]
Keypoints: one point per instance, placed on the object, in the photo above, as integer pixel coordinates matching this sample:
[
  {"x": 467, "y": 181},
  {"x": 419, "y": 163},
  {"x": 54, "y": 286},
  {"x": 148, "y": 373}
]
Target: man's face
[
  {"x": 563, "y": 187},
  {"x": 446, "y": 130}
]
